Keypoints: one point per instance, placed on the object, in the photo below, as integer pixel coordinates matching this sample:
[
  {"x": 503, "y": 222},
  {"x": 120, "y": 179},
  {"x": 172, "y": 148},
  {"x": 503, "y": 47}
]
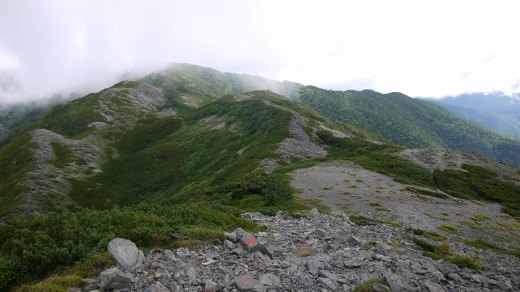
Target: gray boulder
[
  {"x": 125, "y": 253},
  {"x": 115, "y": 279}
]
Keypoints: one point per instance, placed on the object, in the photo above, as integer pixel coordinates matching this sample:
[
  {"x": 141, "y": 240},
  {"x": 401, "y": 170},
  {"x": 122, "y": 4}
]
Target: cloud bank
[{"x": 421, "y": 48}]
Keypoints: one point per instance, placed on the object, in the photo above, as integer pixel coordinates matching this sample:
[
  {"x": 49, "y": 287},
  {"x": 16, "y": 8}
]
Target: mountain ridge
[{"x": 170, "y": 154}]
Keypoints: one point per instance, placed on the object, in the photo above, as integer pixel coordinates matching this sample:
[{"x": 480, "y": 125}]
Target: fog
[{"x": 421, "y": 48}]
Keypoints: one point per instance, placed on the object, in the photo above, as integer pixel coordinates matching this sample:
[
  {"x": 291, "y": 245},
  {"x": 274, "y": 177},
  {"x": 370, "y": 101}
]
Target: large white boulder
[{"x": 125, "y": 253}]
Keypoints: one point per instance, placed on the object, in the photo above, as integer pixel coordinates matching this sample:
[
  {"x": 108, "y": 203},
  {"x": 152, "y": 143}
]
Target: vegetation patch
[
  {"x": 426, "y": 192},
  {"x": 72, "y": 119},
  {"x": 430, "y": 235},
  {"x": 442, "y": 251},
  {"x": 447, "y": 228},
  {"x": 62, "y": 154},
  {"x": 15, "y": 162},
  {"x": 34, "y": 247},
  {"x": 480, "y": 218},
  {"x": 479, "y": 184},
  {"x": 368, "y": 286},
  {"x": 490, "y": 246},
  {"x": 376, "y": 157}
]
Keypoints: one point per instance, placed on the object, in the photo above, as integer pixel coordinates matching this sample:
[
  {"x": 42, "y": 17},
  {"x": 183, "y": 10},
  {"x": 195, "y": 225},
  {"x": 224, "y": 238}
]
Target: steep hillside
[{"x": 410, "y": 122}]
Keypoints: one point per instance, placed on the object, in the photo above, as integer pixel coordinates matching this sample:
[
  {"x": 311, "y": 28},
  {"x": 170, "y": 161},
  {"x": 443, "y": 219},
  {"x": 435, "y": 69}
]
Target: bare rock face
[{"x": 126, "y": 253}]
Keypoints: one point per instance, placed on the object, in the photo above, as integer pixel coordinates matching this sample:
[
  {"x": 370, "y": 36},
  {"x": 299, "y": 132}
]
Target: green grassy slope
[
  {"x": 410, "y": 122},
  {"x": 172, "y": 154}
]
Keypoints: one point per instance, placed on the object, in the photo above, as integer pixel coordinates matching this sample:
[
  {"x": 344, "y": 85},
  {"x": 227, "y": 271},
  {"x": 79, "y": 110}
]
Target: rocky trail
[{"x": 312, "y": 252}]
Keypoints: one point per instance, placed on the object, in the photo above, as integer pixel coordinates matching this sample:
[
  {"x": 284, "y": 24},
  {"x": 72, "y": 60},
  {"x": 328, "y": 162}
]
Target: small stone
[
  {"x": 319, "y": 233},
  {"x": 314, "y": 266},
  {"x": 238, "y": 251},
  {"x": 328, "y": 275},
  {"x": 455, "y": 277},
  {"x": 247, "y": 283},
  {"x": 315, "y": 211},
  {"x": 329, "y": 283},
  {"x": 304, "y": 280},
  {"x": 73, "y": 290},
  {"x": 353, "y": 263},
  {"x": 303, "y": 251},
  {"x": 192, "y": 274},
  {"x": 353, "y": 240},
  {"x": 209, "y": 262},
  {"x": 248, "y": 242},
  {"x": 210, "y": 286},
  {"x": 269, "y": 280},
  {"x": 174, "y": 235},
  {"x": 229, "y": 244}
]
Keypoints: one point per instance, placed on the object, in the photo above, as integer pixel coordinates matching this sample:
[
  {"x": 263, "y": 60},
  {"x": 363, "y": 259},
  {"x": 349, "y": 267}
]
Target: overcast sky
[{"x": 419, "y": 47}]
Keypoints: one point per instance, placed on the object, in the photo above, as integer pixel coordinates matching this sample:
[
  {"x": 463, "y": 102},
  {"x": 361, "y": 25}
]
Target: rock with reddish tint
[{"x": 248, "y": 282}]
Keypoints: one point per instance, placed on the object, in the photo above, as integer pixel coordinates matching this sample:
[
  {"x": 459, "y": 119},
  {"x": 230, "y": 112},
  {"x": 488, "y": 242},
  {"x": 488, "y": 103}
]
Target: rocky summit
[{"x": 312, "y": 252}]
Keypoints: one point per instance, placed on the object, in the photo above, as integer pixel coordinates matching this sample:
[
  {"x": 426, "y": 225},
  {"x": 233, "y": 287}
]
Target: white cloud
[{"x": 419, "y": 47}]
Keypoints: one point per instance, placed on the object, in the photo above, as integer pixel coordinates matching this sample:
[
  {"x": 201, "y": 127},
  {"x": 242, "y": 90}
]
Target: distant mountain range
[{"x": 495, "y": 110}]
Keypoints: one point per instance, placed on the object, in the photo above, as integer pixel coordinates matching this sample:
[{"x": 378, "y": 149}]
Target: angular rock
[
  {"x": 304, "y": 280},
  {"x": 329, "y": 283},
  {"x": 210, "y": 286},
  {"x": 229, "y": 244},
  {"x": 192, "y": 274},
  {"x": 269, "y": 280},
  {"x": 314, "y": 265},
  {"x": 398, "y": 283},
  {"x": 125, "y": 253},
  {"x": 328, "y": 275},
  {"x": 248, "y": 283},
  {"x": 433, "y": 287},
  {"x": 353, "y": 263},
  {"x": 455, "y": 277},
  {"x": 115, "y": 279},
  {"x": 353, "y": 240}
]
